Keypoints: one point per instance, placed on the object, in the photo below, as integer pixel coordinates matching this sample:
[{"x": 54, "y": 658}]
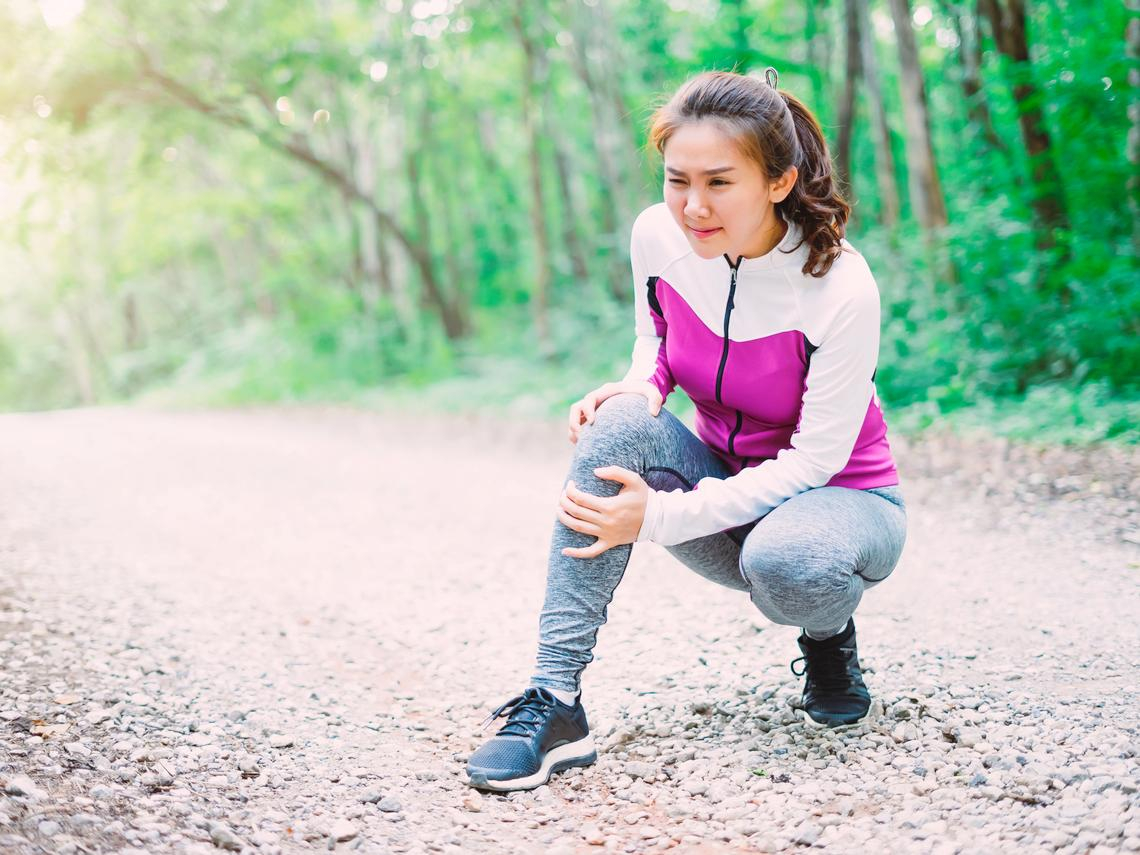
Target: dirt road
[{"x": 278, "y": 630}]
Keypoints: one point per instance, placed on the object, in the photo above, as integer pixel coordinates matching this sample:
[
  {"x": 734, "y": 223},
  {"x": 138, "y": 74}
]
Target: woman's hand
[
  {"x": 613, "y": 520},
  {"x": 582, "y": 412}
]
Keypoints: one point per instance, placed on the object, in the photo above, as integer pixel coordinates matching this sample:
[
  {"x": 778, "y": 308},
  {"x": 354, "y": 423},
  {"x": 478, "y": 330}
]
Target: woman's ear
[{"x": 782, "y": 186}]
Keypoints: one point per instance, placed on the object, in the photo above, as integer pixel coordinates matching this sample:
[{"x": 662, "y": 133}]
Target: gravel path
[{"x": 278, "y": 631}]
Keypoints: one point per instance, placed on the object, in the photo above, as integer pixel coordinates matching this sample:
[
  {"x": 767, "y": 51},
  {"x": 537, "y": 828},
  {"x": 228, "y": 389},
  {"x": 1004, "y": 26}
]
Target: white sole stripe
[{"x": 578, "y": 753}]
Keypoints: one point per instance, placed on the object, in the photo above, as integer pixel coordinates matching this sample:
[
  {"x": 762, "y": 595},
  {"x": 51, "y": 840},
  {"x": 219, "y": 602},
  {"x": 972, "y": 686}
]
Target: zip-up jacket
[{"x": 780, "y": 365}]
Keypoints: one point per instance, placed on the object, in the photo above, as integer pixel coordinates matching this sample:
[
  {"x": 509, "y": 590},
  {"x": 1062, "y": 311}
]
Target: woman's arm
[{"x": 650, "y": 360}]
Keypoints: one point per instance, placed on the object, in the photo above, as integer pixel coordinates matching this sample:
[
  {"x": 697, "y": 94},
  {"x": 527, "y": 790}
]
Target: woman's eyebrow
[{"x": 713, "y": 171}]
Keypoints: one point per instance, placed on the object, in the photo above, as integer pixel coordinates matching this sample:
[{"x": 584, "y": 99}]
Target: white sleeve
[
  {"x": 649, "y": 360},
  {"x": 838, "y": 393}
]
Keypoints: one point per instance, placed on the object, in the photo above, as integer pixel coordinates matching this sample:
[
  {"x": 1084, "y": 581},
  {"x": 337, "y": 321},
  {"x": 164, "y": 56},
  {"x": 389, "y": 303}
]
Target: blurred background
[{"x": 428, "y": 202}]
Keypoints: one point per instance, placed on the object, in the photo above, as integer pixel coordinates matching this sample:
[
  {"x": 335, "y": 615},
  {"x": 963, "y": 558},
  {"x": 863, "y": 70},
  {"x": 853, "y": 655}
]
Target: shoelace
[
  {"x": 827, "y": 668},
  {"x": 524, "y": 713}
]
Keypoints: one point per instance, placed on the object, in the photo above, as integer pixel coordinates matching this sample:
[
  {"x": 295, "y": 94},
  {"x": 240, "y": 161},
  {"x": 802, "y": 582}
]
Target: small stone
[
  {"x": 389, "y": 804},
  {"x": 695, "y": 787},
  {"x": 638, "y": 769},
  {"x": 22, "y": 785},
  {"x": 904, "y": 731},
  {"x": 280, "y": 740},
  {"x": 99, "y": 715},
  {"x": 370, "y": 797},
  {"x": 247, "y": 765},
  {"x": 807, "y": 834},
  {"x": 50, "y": 828},
  {"x": 473, "y": 804},
  {"x": 593, "y": 835},
  {"x": 969, "y": 736},
  {"x": 342, "y": 830},
  {"x": 223, "y": 838}
]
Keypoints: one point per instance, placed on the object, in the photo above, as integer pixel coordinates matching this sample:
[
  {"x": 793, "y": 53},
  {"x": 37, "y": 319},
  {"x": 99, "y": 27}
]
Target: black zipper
[{"x": 728, "y": 307}]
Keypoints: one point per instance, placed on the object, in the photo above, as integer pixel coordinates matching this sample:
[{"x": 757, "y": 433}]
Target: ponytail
[{"x": 814, "y": 203}]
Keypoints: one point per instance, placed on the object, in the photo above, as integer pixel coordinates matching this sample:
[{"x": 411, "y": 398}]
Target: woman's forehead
[{"x": 702, "y": 147}]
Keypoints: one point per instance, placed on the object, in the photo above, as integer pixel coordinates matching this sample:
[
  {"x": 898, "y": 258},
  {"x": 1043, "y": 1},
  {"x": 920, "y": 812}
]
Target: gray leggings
[{"x": 806, "y": 563}]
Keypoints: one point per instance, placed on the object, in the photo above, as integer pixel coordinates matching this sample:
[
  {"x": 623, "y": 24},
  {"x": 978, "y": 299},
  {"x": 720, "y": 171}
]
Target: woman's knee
[
  {"x": 619, "y": 421},
  {"x": 793, "y": 581}
]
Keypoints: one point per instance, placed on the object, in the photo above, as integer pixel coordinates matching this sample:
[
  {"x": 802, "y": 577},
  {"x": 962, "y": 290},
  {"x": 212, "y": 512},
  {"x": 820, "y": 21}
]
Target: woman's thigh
[
  {"x": 660, "y": 448},
  {"x": 669, "y": 457},
  {"x": 821, "y": 538}
]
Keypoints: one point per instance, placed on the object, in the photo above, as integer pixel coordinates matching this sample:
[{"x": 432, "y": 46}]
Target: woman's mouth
[{"x": 704, "y": 233}]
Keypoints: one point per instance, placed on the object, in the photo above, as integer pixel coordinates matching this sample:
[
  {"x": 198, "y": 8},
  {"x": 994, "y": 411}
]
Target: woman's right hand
[{"x": 582, "y": 412}]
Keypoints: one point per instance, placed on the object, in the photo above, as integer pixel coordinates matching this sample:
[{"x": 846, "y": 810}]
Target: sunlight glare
[{"x": 60, "y": 13}]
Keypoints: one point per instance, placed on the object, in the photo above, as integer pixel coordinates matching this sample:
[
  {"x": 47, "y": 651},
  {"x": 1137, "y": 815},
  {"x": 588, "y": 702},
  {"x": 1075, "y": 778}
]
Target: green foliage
[{"x": 189, "y": 198}]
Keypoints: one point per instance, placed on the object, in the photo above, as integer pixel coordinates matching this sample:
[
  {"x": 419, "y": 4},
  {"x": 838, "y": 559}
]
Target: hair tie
[{"x": 771, "y": 76}]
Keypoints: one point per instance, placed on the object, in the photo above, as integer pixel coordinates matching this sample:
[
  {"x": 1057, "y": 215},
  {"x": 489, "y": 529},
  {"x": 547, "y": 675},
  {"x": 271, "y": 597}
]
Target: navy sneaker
[
  {"x": 542, "y": 736},
  {"x": 834, "y": 691}
]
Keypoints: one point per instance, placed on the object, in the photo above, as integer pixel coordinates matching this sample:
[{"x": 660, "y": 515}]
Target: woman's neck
[{"x": 769, "y": 239}]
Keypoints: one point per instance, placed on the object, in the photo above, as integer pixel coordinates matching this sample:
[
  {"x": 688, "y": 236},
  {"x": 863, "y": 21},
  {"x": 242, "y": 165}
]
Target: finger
[
  {"x": 617, "y": 473},
  {"x": 655, "y": 402},
  {"x": 589, "y": 407},
  {"x": 575, "y": 510},
  {"x": 592, "y": 551},
  {"x": 575, "y": 524},
  {"x": 586, "y": 500},
  {"x": 575, "y": 415}
]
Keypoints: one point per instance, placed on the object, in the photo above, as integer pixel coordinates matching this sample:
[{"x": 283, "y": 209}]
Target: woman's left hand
[{"x": 613, "y": 520}]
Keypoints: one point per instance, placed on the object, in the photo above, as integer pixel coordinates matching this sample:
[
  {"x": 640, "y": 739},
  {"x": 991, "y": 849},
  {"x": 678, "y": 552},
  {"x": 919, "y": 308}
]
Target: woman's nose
[{"x": 695, "y": 207}]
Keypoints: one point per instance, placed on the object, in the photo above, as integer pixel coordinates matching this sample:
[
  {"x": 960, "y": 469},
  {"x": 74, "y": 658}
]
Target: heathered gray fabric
[{"x": 806, "y": 563}]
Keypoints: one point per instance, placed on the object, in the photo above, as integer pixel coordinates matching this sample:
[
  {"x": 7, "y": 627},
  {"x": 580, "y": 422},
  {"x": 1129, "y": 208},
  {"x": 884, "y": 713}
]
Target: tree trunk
[
  {"x": 615, "y": 214},
  {"x": 434, "y": 295},
  {"x": 1008, "y": 22},
  {"x": 884, "y": 155},
  {"x": 1132, "y": 40},
  {"x": 817, "y": 54},
  {"x": 922, "y": 172},
  {"x": 534, "y": 73},
  {"x": 973, "y": 92},
  {"x": 571, "y": 220},
  {"x": 847, "y": 102}
]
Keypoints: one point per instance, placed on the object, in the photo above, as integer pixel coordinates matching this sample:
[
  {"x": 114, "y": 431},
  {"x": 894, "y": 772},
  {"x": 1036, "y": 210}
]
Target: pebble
[
  {"x": 22, "y": 785},
  {"x": 389, "y": 804},
  {"x": 222, "y": 837}
]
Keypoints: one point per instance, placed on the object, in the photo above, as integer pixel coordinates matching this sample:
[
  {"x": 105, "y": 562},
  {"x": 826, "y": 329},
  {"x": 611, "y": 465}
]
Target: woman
[{"x": 749, "y": 299}]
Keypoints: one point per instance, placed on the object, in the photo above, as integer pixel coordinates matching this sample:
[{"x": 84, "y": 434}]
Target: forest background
[{"x": 428, "y": 202}]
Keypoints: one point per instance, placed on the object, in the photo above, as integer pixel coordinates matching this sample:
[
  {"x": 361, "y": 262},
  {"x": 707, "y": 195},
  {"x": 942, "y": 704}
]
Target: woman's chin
[{"x": 703, "y": 250}]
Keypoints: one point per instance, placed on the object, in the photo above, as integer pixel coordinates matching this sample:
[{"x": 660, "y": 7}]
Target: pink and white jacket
[{"x": 780, "y": 366}]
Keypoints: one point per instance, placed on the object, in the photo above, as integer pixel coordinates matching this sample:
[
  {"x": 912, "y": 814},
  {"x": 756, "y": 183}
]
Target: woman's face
[{"x": 719, "y": 197}]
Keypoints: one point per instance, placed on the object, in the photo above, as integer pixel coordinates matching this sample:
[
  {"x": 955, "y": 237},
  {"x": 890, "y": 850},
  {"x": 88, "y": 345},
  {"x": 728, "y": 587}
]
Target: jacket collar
[{"x": 788, "y": 251}]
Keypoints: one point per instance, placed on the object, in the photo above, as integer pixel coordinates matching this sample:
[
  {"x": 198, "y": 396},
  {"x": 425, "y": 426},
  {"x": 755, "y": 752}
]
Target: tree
[
  {"x": 1007, "y": 21},
  {"x": 922, "y": 172}
]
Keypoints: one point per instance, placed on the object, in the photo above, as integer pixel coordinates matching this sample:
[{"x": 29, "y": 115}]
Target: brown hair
[{"x": 776, "y": 130}]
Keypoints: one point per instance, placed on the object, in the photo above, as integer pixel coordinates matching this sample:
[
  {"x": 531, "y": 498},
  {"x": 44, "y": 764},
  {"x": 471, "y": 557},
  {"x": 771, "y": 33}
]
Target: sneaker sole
[
  {"x": 580, "y": 753},
  {"x": 821, "y": 725}
]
